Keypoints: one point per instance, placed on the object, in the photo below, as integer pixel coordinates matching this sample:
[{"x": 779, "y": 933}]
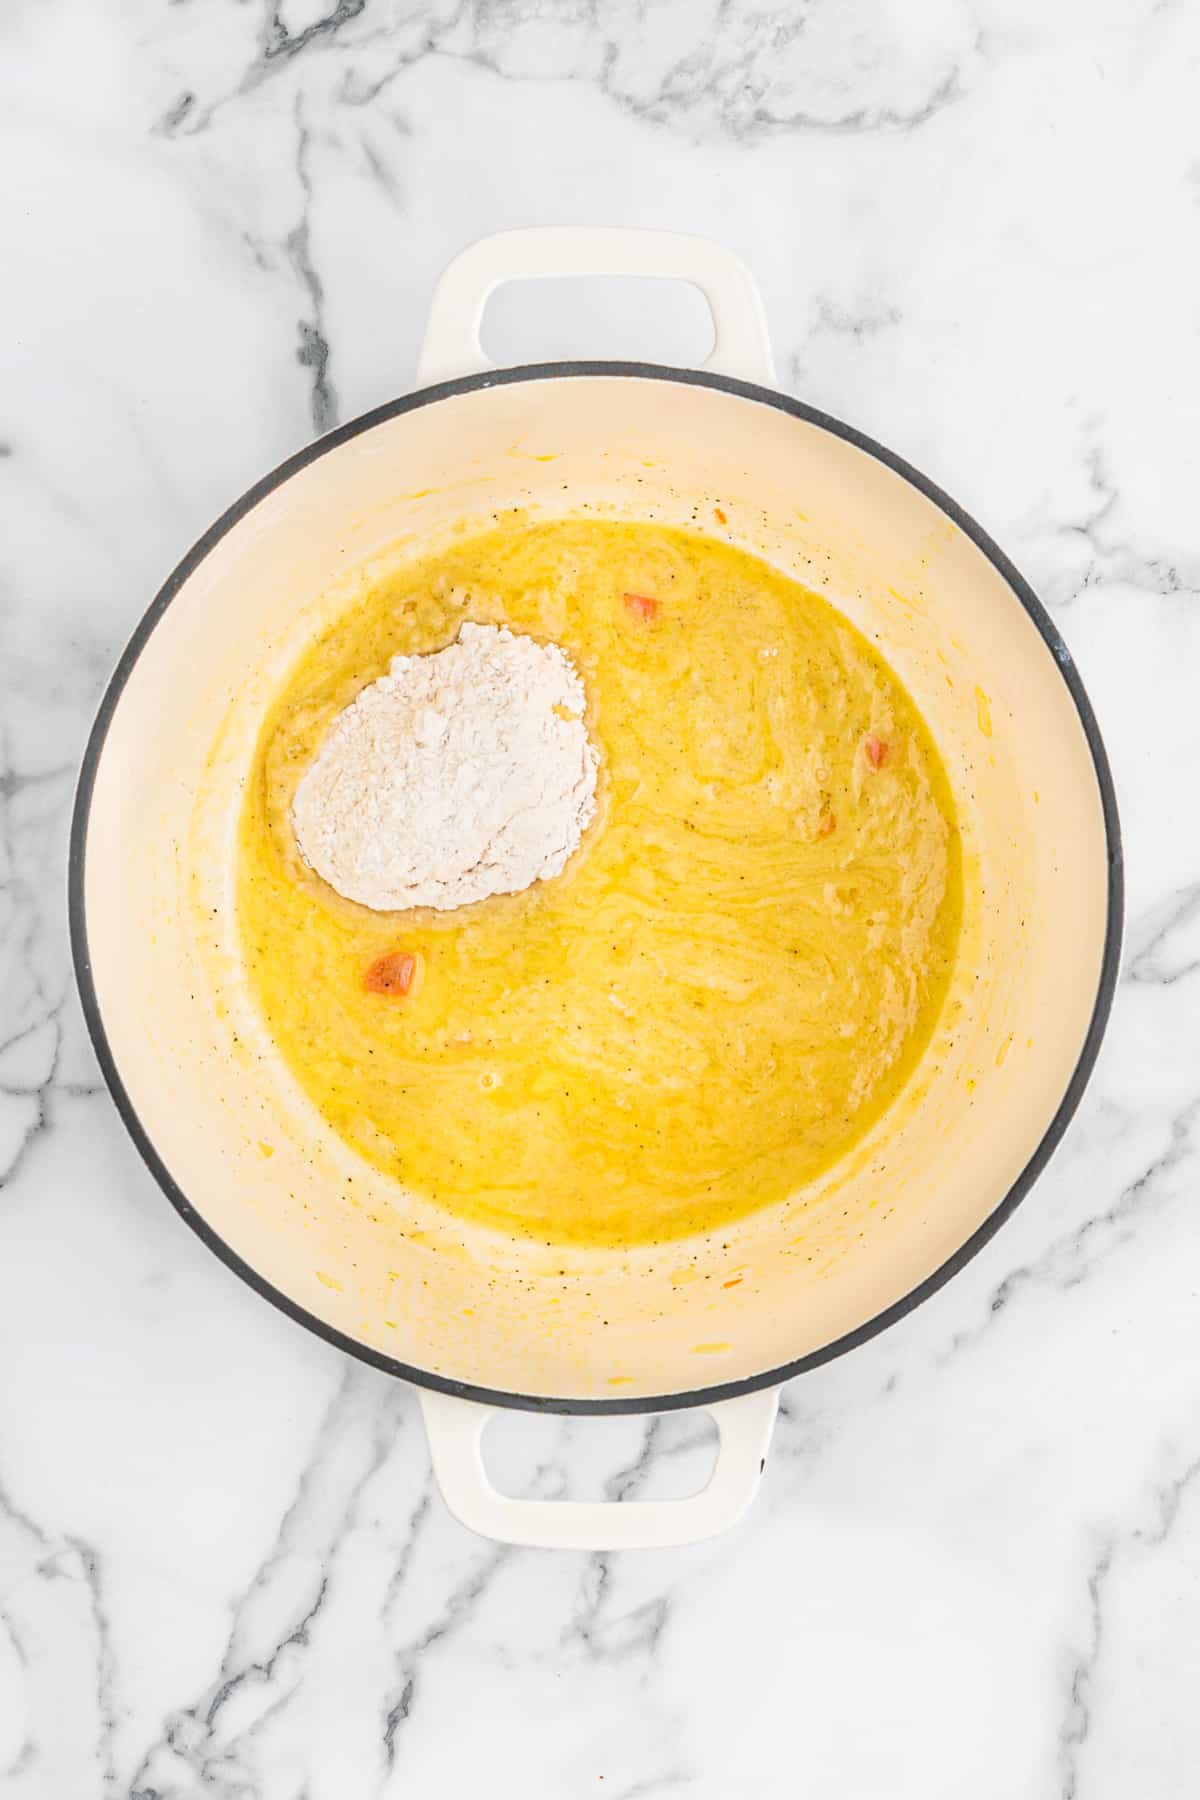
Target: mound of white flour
[{"x": 456, "y": 775}]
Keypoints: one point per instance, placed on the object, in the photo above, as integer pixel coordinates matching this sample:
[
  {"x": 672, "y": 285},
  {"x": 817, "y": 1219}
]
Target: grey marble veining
[{"x": 975, "y": 1564}]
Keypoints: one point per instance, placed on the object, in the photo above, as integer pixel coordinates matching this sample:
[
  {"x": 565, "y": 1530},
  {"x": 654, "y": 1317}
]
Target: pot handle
[
  {"x": 452, "y": 346},
  {"x": 455, "y": 1430}
]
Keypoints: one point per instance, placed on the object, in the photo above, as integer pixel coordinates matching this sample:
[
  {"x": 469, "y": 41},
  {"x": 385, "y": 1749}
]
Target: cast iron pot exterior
[{"x": 1041, "y": 619}]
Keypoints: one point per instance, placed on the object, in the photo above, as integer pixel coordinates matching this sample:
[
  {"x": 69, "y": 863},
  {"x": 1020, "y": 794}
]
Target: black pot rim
[{"x": 695, "y": 1397}]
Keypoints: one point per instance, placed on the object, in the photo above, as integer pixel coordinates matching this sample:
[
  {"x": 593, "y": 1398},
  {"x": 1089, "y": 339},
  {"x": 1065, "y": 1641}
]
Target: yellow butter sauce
[{"x": 735, "y": 974}]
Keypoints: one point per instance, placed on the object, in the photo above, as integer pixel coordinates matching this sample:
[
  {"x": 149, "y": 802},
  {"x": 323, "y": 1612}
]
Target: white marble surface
[{"x": 975, "y": 1565}]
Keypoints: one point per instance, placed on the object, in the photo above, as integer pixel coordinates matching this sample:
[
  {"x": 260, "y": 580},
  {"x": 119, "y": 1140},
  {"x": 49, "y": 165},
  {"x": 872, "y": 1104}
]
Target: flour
[{"x": 456, "y": 775}]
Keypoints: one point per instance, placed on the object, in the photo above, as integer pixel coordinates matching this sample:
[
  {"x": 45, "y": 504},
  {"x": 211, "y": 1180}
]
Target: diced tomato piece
[
  {"x": 641, "y": 605},
  {"x": 876, "y": 751},
  {"x": 394, "y": 973}
]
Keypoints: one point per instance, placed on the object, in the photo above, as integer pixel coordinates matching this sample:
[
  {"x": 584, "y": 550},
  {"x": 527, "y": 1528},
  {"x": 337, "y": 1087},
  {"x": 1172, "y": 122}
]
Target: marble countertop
[{"x": 974, "y": 1567}]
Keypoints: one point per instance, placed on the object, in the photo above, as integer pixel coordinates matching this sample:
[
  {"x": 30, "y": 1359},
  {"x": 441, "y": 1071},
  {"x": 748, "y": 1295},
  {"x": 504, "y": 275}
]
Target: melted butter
[{"x": 722, "y": 991}]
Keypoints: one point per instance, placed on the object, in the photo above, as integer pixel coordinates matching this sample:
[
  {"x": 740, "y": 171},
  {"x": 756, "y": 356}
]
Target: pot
[{"x": 476, "y": 1320}]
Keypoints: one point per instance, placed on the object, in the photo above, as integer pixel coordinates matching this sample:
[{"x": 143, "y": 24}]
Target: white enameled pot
[{"x": 475, "y": 1319}]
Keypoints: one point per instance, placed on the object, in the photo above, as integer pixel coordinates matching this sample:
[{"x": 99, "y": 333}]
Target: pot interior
[{"x": 341, "y": 1241}]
